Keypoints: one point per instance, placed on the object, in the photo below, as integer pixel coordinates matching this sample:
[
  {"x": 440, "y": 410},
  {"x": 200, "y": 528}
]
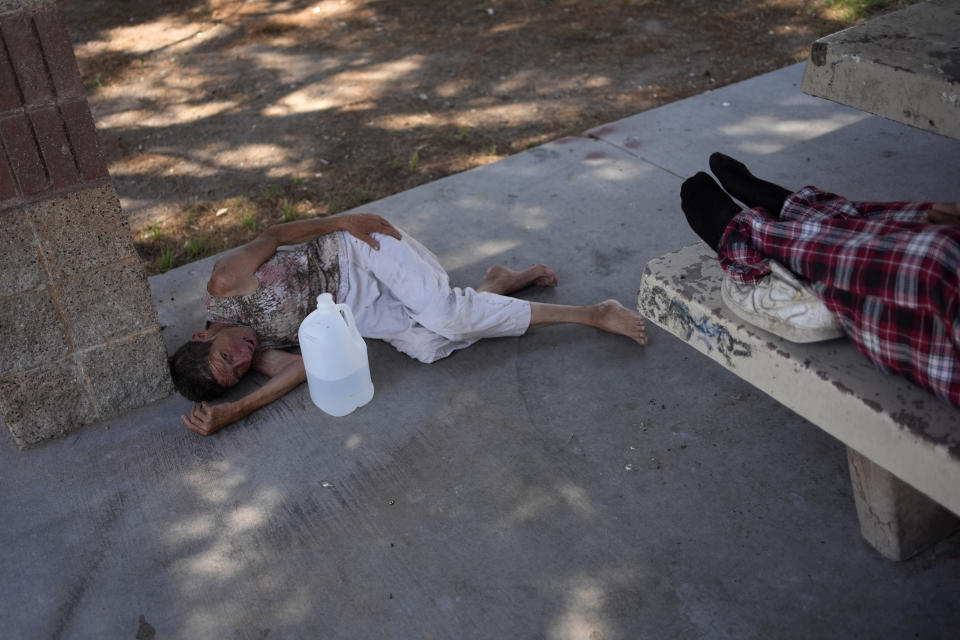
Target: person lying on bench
[
  {"x": 259, "y": 293},
  {"x": 889, "y": 273}
]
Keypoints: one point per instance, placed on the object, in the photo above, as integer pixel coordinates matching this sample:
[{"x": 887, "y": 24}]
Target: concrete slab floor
[{"x": 563, "y": 485}]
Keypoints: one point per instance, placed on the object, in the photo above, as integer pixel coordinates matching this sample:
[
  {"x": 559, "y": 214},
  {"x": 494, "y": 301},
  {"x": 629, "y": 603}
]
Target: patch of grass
[
  {"x": 165, "y": 259},
  {"x": 241, "y": 205},
  {"x": 414, "y": 160},
  {"x": 198, "y": 246},
  {"x": 249, "y": 221},
  {"x": 857, "y": 9},
  {"x": 359, "y": 197},
  {"x": 463, "y": 133},
  {"x": 288, "y": 210},
  {"x": 154, "y": 232},
  {"x": 271, "y": 193},
  {"x": 197, "y": 211}
]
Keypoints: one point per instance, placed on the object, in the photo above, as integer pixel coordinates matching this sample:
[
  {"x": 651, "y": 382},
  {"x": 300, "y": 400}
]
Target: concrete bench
[
  {"x": 903, "y": 445},
  {"x": 902, "y": 66}
]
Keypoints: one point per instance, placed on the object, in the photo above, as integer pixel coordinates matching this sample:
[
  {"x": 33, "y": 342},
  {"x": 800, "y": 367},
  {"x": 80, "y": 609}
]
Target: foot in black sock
[
  {"x": 745, "y": 187},
  {"x": 707, "y": 207}
]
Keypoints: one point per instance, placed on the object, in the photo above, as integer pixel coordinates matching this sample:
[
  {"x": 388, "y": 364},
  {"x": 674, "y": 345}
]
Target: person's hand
[
  {"x": 361, "y": 225},
  {"x": 944, "y": 213},
  {"x": 206, "y": 419}
]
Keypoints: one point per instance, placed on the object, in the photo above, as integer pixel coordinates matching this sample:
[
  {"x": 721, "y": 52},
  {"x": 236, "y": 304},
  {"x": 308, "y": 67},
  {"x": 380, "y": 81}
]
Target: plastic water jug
[{"x": 335, "y": 357}]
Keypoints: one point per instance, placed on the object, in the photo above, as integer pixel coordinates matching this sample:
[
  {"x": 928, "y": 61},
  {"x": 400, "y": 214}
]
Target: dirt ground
[{"x": 219, "y": 117}]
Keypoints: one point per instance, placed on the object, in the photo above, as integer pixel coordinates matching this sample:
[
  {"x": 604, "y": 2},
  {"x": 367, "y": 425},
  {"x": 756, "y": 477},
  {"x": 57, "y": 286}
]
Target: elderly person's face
[{"x": 231, "y": 351}]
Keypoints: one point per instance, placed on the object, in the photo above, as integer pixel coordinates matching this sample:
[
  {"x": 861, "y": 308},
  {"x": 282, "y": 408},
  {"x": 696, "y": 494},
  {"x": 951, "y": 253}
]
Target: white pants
[{"x": 402, "y": 295}]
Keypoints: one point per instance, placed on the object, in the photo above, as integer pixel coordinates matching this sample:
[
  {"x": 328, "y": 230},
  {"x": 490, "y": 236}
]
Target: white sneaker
[{"x": 783, "y": 305}]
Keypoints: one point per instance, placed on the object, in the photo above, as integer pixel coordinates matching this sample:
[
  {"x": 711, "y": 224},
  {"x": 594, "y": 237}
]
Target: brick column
[{"x": 79, "y": 338}]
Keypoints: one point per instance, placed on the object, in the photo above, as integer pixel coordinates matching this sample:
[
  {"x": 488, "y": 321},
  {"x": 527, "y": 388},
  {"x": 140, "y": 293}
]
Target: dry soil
[{"x": 218, "y": 117}]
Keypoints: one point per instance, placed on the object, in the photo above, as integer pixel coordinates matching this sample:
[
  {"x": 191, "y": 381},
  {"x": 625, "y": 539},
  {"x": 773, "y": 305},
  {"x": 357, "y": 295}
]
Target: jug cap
[{"x": 325, "y": 298}]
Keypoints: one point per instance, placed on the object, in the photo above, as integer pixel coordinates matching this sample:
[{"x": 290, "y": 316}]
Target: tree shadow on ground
[{"x": 335, "y": 104}]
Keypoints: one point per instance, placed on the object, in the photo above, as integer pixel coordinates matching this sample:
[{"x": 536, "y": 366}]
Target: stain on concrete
[
  {"x": 542, "y": 154},
  {"x": 609, "y": 262},
  {"x": 596, "y": 155},
  {"x": 72, "y": 596},
  {"x": 818, "y": 53},
  {"x": 895, "y": 67},
  {"x": 776, "y": 349},
  {"x": 869, "y": 38},
  {"x": 695, "y": 271},
  {"x": 938, "y": 433},
  {"x": 951, "y": 66},
  {"x": 145, "y": 630},
  {"x": 76, "y": 589},
  {"x": 911, "y": 421},
  {"x": 666, "y": 311},
  {"x": 602, "y": 131},
  {"x": 632, "y": 143},
  {"x": 873, "y": 404},
  {"x": 842, "y": 388},
  {"x": 574, "y": 446}
]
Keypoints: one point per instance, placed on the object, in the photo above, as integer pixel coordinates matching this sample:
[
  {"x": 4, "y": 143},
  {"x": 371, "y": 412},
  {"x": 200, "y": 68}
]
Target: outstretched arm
[
  {"x": 233, "y": 274},
  {"x": 944, "y": 213},
  {"x": 285, "y": 370}
]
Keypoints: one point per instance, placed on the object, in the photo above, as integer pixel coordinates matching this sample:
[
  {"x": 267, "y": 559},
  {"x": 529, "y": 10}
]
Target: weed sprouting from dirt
[
  {"x": 197, "y": 246},
  {"x": 249, "y": 222},
  {"x": 359, "y": 197},
  {"x": 165, "y": 260},
  {"x": 288, "y": 210},
  {"x": 153, "y": 232},
  {"x": 271, "y": 193}
]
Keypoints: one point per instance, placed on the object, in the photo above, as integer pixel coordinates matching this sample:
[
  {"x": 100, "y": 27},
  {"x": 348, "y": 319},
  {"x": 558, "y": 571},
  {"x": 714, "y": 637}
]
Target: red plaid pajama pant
[{"x": 891, "y": 278}]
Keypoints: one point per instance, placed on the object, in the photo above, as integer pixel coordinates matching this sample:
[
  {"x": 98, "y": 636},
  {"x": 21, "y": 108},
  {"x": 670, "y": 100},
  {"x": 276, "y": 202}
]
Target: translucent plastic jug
[{"x": 335, "y": 356}]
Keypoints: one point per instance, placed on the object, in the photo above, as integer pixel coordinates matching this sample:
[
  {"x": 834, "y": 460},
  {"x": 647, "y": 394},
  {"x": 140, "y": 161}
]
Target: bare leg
[
  {"x": 505, "y": 281},
  {"x": 608, "y": 315}
]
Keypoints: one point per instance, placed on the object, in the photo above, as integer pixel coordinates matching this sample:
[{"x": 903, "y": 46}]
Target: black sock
[
  {"x": 747, "y": 188},
  {"x": 707, "y": 207}
]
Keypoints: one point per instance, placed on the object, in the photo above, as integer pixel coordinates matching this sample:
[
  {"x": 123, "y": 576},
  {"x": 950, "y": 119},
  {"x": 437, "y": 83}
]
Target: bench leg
[{"x": 896, "y": 519}]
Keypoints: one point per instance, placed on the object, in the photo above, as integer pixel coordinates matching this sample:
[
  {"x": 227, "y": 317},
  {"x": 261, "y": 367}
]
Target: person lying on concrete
[
  {"x": 888, "y": 272},
  {"x": 259, "y": 293}
]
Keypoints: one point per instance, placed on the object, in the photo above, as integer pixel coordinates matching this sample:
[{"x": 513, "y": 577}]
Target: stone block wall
[{"x": 79, "y": 338}]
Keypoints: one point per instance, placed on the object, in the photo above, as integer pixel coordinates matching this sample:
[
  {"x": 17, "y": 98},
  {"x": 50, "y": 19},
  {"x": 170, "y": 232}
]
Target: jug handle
[{"x": 347, "y": 315}]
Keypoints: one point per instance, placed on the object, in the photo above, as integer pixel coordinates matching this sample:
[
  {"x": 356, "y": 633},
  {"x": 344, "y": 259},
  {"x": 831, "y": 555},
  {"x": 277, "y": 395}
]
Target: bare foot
[
  {"x": 612, "y": 316},
  {"x": 505, "y": 281}
]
